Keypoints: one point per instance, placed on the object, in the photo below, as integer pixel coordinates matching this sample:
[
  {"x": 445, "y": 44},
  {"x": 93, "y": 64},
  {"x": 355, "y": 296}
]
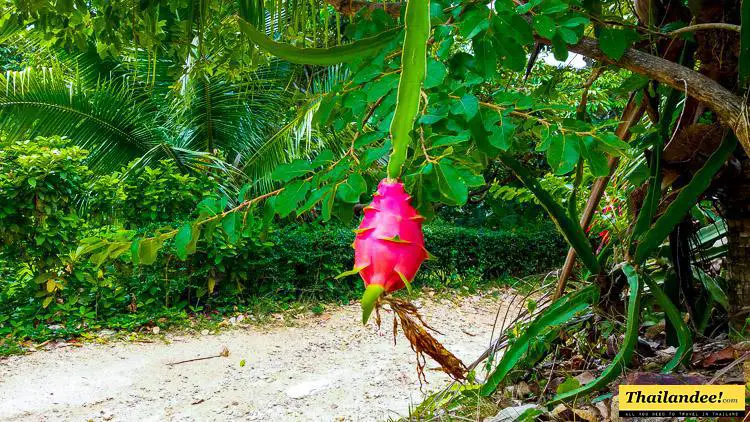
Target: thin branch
[
  {"x": 630, "y": 116},
  {"x": 704, "y": 26}
]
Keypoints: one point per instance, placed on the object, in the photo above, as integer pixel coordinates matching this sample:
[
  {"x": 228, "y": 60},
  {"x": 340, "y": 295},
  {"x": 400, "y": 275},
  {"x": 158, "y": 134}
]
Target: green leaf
[
  {"x": 287, "y": 172},
  {"x": 436, "y": 72},
  {"x": 511, "y": 54},
  {"x": 713, "y": 288},
  {"x": 612, "y": 144},
  {"x": 544, "y": 26},
  {"x": 315, "y": 197},
  {"x": 684, "y": 337},
  {"x": 324, "y": 157},
  {"x": 181, "y": 241},
  {"x": 567, "y": 35},
  {"x": 501, "y": 136},
  {"x": 352, "y": 189},
  {"x": 575, "y": 22},
  {"x": 229, "y": 226},
  {"x": 622, "y": 359},
  {"x": 446, "y": 140},
  {"x": 134, "y": 251},
  {"x": 521, "y": 30},
  {"x": 320, "y": 56},
  {"x": 148, "y": 250},
  {"x": 563, "y": 153},
  {"x": 555, "y": 314},
  {"x": 293, "y": 194},
  {"x": 597, "y": 159},
  {"x": 569, "y": 384},
  {"x": 474, "y": 21},
  {"x": 485, "y": 55},
  {"x": 685, "y": 200},
  {"x": 614, "y": 42},
  {"x": 452, "y": 188},
  {"x": 381, "y": 87},
  {"x": 468, "y": 106}
]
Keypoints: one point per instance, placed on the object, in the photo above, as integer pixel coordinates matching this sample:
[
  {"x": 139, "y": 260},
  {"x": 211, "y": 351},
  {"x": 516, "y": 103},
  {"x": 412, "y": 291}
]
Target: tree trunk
[{"x": 738, "y": 265}]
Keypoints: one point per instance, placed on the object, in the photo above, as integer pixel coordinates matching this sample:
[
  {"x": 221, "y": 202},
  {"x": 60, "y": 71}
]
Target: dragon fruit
[{"x": 389, "y": 246}]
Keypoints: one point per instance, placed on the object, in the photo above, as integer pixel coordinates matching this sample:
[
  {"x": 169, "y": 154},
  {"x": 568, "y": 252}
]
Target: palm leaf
[{"x": 111, "y": 120}]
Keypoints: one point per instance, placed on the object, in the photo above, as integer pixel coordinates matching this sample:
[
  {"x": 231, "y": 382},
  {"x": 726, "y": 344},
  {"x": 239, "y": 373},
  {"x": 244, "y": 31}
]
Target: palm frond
[{"x": 111, "y": 120}]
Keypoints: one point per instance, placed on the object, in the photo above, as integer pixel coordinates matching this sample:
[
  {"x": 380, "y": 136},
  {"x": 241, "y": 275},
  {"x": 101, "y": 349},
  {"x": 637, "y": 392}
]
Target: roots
[{"x": 422, "y": 342}]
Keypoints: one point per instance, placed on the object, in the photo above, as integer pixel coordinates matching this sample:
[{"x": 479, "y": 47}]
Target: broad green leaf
[
  {"x": 288, "y": 171},
  {"x": 352, "y": 189},
  {"x": 315, "y": 197},
  {"x": 446, "y": 140},
  {"x": 521, "y": 30},
  {"x": 511, "y": 55},
  {"x": 614, "y": 41},
  {"x": 501, "y": 136},
  {"x": 381, "y": 87},
  {"x": 544, "y": 26},
  {"x": 293, "y": 194},
  {"x": 563, "y": 153},
  {"x": 320, "y": 56},
  {"x": 229, "y": 226},
  {"x": 612, "y": 144},
  {"x": 485, "y": 55},
  {"x": 575, "y": 21},
  {"x": 452, "y": 188},
  {"x": 436, "y": 73},
  {"x": 148, "y": 250},
  {"x": 596, "y": 158},
  {"x": 567, "y": 35},
  {"x": 474, "y": 21},
  {"x": 181, "y": 241},
  {"x": 467, "y": 106},
  {"x": 324, "y": 157}
]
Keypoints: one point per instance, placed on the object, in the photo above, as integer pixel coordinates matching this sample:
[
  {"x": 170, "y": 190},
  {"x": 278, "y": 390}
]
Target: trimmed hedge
[{"x": 307, "y": 258}]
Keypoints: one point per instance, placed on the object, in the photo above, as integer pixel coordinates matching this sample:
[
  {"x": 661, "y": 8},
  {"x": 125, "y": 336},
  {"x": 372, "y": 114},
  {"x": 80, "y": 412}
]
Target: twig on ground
[{"x": 223, "y": 354}]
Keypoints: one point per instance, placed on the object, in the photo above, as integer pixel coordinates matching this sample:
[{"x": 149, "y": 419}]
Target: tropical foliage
[{"x": 450, "y": 98}]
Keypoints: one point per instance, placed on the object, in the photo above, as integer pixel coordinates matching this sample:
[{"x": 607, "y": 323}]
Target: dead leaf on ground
[{"x": 723, "y": 356}]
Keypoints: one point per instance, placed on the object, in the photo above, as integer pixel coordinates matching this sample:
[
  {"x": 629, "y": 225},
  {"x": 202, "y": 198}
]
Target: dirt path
[{"x": 324, "y": 368}]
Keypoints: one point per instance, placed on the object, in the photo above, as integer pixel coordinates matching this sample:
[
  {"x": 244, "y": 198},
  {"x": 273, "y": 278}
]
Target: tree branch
[
  {"x": 704, "y": 26},
  {"x": 730, "y": 108}
]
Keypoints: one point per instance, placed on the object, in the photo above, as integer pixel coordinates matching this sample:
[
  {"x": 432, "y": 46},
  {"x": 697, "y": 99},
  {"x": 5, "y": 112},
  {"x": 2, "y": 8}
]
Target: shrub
[{"x": 50, "y": 200}]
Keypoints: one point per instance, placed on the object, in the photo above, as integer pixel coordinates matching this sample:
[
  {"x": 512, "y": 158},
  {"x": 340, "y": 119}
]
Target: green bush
[{"x": 50, "y": 201}]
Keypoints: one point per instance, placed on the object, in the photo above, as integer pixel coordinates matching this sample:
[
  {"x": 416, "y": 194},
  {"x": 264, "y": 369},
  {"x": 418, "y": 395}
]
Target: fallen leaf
[{"x": 723, "y": 356}]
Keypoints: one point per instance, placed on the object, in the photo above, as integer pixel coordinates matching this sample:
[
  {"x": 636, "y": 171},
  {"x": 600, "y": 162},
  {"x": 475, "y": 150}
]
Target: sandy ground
[{"x": 324, "y": 368}]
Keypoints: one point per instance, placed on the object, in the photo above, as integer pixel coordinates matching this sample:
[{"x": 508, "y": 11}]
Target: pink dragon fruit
[{"x": 389, "y": 246}]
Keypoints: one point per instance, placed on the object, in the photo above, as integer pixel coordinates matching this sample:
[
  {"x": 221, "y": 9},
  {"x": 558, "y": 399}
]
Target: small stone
[
  {"x": 240, "y": 317},
  {"x": 156, "y": 330},
  {"x": 204, "y": 332}
]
